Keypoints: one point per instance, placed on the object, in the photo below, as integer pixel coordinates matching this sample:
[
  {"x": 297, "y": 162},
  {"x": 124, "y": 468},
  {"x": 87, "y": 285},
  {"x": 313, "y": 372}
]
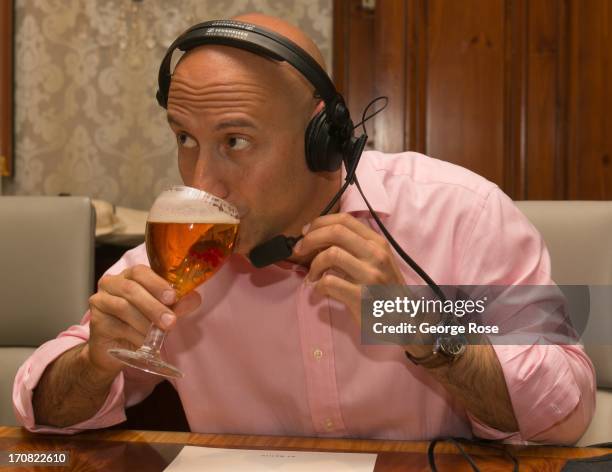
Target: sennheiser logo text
[{"x": 228, "y": 33}]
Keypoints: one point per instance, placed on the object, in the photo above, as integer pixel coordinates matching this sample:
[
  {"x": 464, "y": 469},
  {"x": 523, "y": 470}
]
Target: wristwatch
[{"x": 446, "y": 350}]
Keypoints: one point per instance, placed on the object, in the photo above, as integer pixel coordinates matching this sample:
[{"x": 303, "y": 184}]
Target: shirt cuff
[
  {"x": 28, "y": 376},
  {"x": 542, "y": 389},
  {"x": 481, "y": 430}
]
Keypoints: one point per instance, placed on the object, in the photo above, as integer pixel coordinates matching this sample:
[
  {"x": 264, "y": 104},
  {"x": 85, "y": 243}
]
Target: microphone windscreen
[{"x": 274, "y": 250}]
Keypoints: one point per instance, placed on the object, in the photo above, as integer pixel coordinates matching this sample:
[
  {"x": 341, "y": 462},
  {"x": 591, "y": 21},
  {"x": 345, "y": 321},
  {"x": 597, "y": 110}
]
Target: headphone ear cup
[{"x": 322, "y": 151}]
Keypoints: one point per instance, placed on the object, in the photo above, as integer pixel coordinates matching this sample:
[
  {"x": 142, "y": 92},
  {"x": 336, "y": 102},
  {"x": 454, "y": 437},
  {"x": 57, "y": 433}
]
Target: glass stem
[
  {"x": 154, "y": 340},
  {"x": 155, "y": 337}
]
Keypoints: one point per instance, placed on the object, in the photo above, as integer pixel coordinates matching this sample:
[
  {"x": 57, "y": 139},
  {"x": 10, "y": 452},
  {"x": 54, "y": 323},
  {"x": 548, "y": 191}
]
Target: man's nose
[{"x": 209, "y": 177}]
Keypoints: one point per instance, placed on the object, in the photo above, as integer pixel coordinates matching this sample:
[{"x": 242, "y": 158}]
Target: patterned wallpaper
[{"x": 86, "y": 119}]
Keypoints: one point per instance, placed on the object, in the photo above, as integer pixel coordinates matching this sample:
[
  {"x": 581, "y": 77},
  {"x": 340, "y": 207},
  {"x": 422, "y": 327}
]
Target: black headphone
[{"x": 329, "y": 138}]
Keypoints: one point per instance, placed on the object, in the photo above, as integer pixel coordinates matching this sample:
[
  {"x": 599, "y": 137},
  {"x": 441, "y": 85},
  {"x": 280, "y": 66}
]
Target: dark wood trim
[
  {"x": 422, "y": 58},
  {"x": 573, "y": 62},
  {"x": 390, "y": 73},
  {"x": 354, "y": 57},
  {"x": 340, "y": 35},
  {"x": 515, "y": 96},
  {"x": 6, "y": 88},
  {"x": 411, "y": 73},
  {"x": 416, "y": 76},
  {"x": 563, "y": 79}
]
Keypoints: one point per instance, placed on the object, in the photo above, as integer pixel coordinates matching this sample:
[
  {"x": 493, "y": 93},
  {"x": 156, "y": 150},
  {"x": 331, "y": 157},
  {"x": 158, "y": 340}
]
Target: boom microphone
[{"x": 274, "y": 250}]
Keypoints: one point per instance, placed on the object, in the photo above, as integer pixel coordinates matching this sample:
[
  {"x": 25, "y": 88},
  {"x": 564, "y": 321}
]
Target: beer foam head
[{"x": 189, "y": 205}]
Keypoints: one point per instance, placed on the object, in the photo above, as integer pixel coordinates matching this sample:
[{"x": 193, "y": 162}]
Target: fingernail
[
  {"x": 309, "y": 280},
  {"x": 167, "y": 320},
  {"x": 305, "y": 228},
  {"x": 168, "y": 297},
  {"x": 298, "y": 246}
]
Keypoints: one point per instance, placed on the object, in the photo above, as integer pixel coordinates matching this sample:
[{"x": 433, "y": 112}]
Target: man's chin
[
  {"x": 243, "y": 246},
  {"x": 241, "y": 250}
]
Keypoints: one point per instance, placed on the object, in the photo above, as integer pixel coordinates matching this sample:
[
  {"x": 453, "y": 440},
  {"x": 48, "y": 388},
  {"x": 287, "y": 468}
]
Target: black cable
[
  {"x": 431, "y": 458},
  {"x": 421, "y": 273},
  {"x": 372, "y": 102},
  {"x": 436, "y": 289},
  {"x": 500, "y": 448},
  {"x": 490, "y": 443},
  {"x": 336, "y": 198}
]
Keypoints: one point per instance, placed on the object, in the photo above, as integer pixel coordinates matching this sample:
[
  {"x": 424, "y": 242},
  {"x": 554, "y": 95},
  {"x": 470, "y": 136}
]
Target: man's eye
[
  {"x": 185, "y": 140},
  {"x": 236, "y": 143}
]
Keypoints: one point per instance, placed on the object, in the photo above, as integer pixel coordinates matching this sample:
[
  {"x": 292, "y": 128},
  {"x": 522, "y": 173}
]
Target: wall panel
[
  {"x": 515, "y": 90},
  {"x": 465, "y": 84},
  {"x": 590, "y": 122},
  {"x": 6, "y": 89}
]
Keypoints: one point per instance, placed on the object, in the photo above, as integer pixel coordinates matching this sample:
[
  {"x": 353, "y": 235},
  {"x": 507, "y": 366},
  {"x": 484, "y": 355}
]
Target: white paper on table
[{"x": 212, "y": 459}]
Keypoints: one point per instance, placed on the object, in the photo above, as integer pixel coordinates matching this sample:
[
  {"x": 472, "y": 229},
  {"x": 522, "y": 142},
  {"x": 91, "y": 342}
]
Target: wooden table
[{"x": 136, "y": 451}]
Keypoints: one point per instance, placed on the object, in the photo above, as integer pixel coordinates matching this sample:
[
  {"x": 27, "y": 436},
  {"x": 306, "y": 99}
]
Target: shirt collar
[{"x": 373, "y": 189}]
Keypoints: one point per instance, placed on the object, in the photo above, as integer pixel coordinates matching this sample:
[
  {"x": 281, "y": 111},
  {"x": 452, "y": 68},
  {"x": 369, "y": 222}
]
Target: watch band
[
  {"x": 445, "y": 350},
  {"x": 430, "y": 361}
]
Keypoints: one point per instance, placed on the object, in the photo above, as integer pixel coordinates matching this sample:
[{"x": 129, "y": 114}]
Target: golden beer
[
  {"x": 189, "y": 234},
  {"x": 188, "y": 254}
]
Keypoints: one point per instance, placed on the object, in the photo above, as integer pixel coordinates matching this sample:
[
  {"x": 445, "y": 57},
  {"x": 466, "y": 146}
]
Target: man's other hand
[
  {"x": 347, "y": 255},
  {"x": 125, "y": 306}
]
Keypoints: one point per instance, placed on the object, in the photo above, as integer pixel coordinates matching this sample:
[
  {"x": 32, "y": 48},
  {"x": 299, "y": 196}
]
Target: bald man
[{"x": 278, "y": 350}]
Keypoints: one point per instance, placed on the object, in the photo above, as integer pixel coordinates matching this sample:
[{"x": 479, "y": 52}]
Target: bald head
[
  {"x": 208, "y": 60},
  {"x": 285, "y": 29}
]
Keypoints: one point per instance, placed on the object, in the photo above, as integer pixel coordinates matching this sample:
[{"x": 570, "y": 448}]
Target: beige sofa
[
  {"x": 46, "y": 277},
  {"x": 579, "y": 237}
]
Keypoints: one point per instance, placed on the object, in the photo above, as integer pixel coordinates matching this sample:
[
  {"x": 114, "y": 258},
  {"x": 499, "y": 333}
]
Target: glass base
[{"x": 145, "y": 361}]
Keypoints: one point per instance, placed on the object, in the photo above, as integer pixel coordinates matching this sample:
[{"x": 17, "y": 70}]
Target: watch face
[{"x": 452, "y": 346}]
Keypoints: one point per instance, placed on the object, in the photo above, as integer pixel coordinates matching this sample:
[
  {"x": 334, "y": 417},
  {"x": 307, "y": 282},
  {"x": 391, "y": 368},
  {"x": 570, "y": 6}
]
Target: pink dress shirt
[{"x": 264, "y": 354}]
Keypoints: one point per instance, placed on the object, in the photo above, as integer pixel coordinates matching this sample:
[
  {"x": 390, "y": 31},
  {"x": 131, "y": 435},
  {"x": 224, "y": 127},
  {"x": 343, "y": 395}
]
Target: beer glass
[{"x": 189, "y": 235}]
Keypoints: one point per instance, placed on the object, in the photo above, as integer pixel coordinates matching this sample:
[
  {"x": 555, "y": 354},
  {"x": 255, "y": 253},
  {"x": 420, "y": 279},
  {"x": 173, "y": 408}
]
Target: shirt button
[
  {"x": 329, "y": 424},
  {"x": 317, "y": 354}
]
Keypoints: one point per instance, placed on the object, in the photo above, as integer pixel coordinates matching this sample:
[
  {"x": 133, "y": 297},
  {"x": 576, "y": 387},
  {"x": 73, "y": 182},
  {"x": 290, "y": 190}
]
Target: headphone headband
[{"x": 259, "y": 41}]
